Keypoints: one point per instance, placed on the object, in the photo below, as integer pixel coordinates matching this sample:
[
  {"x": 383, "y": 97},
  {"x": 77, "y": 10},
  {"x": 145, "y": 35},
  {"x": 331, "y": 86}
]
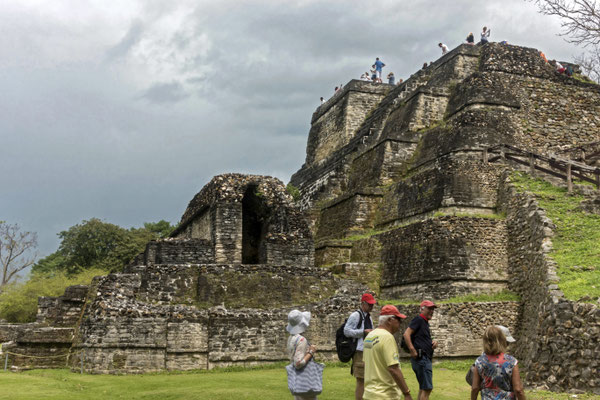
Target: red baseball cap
[
  {"x": 427, "y": 303},
  {"x": 368, "y": 298},
  {"x": 391, "y": 310}
]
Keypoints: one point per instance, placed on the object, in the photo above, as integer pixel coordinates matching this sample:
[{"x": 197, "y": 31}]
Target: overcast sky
[{"x": 123, "y": 110}]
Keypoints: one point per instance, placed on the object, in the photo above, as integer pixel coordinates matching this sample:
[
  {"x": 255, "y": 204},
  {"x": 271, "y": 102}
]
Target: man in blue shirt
[
  {"x": 418, "y": 339},
  {"x": 352, "y": 329},
  {"x": 378, "y": 68}
]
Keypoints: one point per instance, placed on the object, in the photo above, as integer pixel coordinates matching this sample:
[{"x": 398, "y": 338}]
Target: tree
[
  {"x": 580, "y": 20},
  {"x": 100, "y": 245},
  {"x": 15, "y": 252}
]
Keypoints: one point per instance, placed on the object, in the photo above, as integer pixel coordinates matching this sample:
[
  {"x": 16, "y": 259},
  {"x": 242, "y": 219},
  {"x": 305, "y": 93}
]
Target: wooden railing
[{"x": 559, "y": 167}]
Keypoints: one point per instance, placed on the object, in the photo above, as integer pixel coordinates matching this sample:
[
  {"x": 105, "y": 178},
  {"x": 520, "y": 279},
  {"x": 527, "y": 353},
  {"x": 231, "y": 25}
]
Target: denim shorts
[{"x": 424, "y": 371}]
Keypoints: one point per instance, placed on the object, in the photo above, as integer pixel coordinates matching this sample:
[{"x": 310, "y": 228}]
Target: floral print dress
[{"x": 496, "y": 376}]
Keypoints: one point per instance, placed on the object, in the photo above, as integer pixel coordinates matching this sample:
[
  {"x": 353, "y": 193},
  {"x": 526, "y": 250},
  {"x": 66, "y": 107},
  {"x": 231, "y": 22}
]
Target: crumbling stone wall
[
  {"x": 557, "y": 340},
  {"x": 348, "y": 215},
  {"x": 123, "y": 330},
  {"x": 64, "y": 310},
  {"x": 176, "y": 251},
  {"x": 444, "y": 257},
  {"x": 214, "y": 222},
  {"x": 335, "y": 122},
  {"x": 458, "y": 327}
]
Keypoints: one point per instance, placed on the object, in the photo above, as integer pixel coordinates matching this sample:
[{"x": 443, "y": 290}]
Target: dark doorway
[{"x": 253, "y": 219}]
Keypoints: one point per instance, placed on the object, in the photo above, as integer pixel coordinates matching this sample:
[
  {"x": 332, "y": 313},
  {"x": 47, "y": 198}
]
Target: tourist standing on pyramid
[{"x": 378, "y": 68}]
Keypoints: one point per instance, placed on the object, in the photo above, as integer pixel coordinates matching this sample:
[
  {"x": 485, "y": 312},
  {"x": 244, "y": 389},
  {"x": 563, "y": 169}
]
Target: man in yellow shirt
[{"x": 383, "y": 377}]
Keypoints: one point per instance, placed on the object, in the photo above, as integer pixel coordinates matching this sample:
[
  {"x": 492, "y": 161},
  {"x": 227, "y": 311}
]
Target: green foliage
[
  {"x": 576, "y": 244},
  {"x": 293, "y": 191},
  {"x": 18, "y": 303},
  {"x": 439, "y": 214},
  {"x": 504, "y": 295},
  {"x": 265, "y": 383},
  {"x": 95, "y": 244}
]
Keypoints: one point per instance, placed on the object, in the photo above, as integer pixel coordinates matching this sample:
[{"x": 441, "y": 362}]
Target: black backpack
[{"x": 345, "y": 346}]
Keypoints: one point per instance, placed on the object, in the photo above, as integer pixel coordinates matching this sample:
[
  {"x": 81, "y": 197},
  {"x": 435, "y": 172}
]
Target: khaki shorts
[{"x": 358, "y": 366}]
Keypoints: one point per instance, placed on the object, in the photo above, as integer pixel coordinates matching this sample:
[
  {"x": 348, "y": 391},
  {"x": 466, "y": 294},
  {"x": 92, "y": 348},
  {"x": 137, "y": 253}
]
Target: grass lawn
[
  {"x": 576, "y": 245},
  {"x": 264, "y": 384}
]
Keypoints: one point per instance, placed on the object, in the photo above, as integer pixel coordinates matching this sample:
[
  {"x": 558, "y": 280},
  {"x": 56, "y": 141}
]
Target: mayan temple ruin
[{"x": 406, "y": 191}]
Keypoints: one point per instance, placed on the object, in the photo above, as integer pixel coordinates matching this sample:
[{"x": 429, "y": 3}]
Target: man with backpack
[{"x": 358, "y": 326}]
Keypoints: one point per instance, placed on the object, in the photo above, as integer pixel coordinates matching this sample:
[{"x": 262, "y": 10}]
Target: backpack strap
[{"x": 360, "y": 321}]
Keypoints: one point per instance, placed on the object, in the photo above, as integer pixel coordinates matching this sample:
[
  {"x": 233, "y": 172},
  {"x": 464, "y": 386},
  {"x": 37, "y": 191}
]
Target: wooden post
[
  {"x": 82, "y": 355},
  {"x": 569, "y": 178},
  {"x": 598, "y": 179},
  {"x": 485, "y": 155},
  {"x": 531, "y": 164},
  {"x": 6, "y": 362}
]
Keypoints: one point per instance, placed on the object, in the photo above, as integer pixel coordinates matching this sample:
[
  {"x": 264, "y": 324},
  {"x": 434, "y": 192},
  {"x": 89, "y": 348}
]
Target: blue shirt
[{"x": 379, "y": 65}]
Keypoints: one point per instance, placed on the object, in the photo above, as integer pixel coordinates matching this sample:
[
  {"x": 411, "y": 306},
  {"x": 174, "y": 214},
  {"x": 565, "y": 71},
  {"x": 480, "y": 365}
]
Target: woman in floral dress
[{"x": 496, "y": 373}]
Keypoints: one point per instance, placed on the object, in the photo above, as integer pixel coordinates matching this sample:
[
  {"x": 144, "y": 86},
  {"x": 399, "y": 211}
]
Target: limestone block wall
[
  {"x": 444, "y": 257},
  {"x": 458, "y": 327},
  {"x": 201, "y": 227},
  {"x": 119, "y": 333},
  {"x": 557, "y": 340},
  {"x": 64, "y": 310},
  {"x": 348, "y": 215},
  {"x": 556, "y": 111},
  {"x": 332, "y": 252},
  {"x": 289, "y": 251},
  {"x": 35, "y": 346},
  {"x": 228, "y": 239},
  {"x": 335, "y": 122},
  {"x": 458, "y": 182},
  {"x": 177, "y": 251}
]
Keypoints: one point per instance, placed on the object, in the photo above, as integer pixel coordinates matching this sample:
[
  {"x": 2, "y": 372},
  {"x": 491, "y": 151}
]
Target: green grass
[
  {"x": 576, "y": 244},
  {"x": 503, "y": 295},
  {"x": 261, "y": 383},
  {"x": 439, "y": 214}
]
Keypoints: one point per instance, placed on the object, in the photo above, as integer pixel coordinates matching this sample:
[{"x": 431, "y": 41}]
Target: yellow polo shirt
[{"x": 380, "y": 351}]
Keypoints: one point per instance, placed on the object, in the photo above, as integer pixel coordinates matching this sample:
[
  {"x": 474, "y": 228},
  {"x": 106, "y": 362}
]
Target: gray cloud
[
  {"x": 125, "y": 112},
  {"x": 161, "y": 93},
  {"x": 131, "y": 38}
]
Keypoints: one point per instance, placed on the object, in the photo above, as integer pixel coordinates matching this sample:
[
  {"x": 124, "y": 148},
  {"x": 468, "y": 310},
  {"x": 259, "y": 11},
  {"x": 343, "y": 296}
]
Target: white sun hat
[
  {"x": 506, "y": 333},
  {"x": 298, "y": 321}
]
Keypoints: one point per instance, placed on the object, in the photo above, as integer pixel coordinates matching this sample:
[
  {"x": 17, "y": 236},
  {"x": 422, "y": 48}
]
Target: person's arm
[
  {"x": 303, "y": 354},
  {"x": 475, "y": 386},
  {"x": 517, "y": 385},
  {"x": 350, "y": 327},
  {"x": 413, "y": 352},
  {"x": 396, "y": 374}
]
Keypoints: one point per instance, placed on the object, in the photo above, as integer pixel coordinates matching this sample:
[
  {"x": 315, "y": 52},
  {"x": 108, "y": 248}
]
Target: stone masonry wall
[
  {"x": 557, "y": 340},
  {"x": 176, "y": 251},
  {"x": 452, "y": 181},
  {"x": 64, "y": 310},
  {"x": 444, "y": 257},
  {"x": 335, "y": 122},
  {"x": 458, "y": 327},
  {"x": 348, "y": 216},
  {"x": 121, "y": 334}
]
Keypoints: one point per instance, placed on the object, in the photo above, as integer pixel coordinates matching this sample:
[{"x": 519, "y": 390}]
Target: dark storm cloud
[{"x": 123, "y": 112}]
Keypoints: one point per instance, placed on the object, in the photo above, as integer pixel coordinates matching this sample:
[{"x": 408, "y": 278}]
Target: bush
[{"x": 18, "y": 302}]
